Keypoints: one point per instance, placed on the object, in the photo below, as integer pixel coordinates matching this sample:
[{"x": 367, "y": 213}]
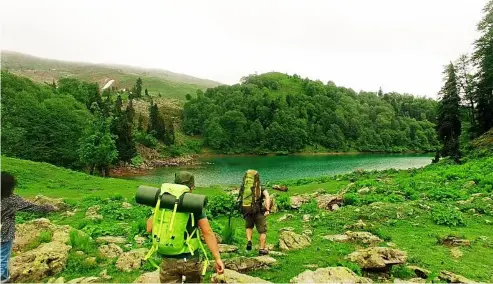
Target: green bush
[
  {"x": 145, "y": 139},
  {"x": 221, "y": 205},
  {"x": 351, "y": 199},
  {"x": 45, "y": 236},
  {"x": 283, "y": 202},
  {"x": 137, "y": 160},
  {"x": 402, "y": 272},
  {"x": 443, "y": 215},
  {"x": 80, "y": 241},
  {"x": 310, "y": 207}
]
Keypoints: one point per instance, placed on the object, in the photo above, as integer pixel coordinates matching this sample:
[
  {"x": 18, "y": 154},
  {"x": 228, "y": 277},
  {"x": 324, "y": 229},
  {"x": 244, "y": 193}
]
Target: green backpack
[
  {"x": 169, "y": 228},
  {"x": 250, "y": 194}
]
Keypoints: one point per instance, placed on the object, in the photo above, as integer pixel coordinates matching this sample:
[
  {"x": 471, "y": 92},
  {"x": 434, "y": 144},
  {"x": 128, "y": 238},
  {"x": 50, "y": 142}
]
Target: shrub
[
  {"x": 447, "y": 216},
  {"x": 351, "y": 199},
  {"x": 310, "y": 207},
  {"x": 401, "y": 271},
  {"x": 137, "y": 160},
  {"x": 80, "y": 241},
  {"x": 221, "y": 205},
  {"x": 283, "y": 202},
  {"x": 45, "y": 236},
  {"x": 145, "y": 139}
]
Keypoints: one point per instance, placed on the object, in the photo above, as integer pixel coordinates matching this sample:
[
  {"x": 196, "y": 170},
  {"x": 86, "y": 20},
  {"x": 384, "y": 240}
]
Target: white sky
[{"x": 401, "y": 45}]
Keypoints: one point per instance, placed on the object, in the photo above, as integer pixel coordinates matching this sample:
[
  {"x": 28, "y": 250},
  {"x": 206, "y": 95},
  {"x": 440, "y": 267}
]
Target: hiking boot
[
  {"x": 263, "y": 252},
  {"x": 249, "y": 245}
]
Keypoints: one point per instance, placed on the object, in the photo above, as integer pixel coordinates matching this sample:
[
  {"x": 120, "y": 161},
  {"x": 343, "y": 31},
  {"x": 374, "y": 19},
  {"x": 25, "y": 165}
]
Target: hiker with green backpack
[
  {"x": 251, "y": 203},
  {"x": 176, "y": 237}
]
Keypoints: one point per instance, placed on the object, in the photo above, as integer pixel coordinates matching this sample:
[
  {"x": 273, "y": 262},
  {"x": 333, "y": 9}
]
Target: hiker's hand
[
  {"x": 266, "y": 213},
  {"x": 219, "y": 266}
]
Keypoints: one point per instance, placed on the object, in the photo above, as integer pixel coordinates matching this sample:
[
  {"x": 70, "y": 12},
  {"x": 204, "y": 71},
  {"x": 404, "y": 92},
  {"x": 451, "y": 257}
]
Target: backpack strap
[
  {"x": 155, "y": 243},
  {"x": 189, "y": 237}
]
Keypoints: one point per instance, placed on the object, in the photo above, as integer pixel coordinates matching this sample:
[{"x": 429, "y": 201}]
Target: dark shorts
[
  {"x": 257, "y": 220},
  {"x": 173, "y": 269}
]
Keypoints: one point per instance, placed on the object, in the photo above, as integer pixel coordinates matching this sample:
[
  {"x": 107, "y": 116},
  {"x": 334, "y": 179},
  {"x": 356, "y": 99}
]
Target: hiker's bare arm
[
  {"x": 267, "y": 200},
  {"x": 149, "y": 225},
  {"x": 210, "y": 240}
]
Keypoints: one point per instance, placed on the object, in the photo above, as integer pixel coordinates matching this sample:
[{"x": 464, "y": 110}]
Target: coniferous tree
[
  {"x": 146, "y": 92},
  {"x": 137, "y": 89},
  {"x": 483, "y": 57},
  {"x": 448, "y": 122},
  {"x": 156, "y": 126}
]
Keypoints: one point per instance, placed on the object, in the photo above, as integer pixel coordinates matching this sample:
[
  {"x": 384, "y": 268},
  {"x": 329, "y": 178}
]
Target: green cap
[{"x": 185, "y": 178}]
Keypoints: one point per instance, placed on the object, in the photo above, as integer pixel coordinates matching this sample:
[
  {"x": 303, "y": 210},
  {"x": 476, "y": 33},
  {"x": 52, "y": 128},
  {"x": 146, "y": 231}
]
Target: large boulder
[
  {"x": 231, "y": 276},
  {"x": 329, "y": 275},
  {"x": 110, "y": 251},
  {"x": 377, "y": 258},
  {"x": 289, "y": 240},
  {"x": 46, "y": 260},
  {"x": 92, "y": 213},
  {"x": 450, "y": 277},
  {"x": 420, "y": 272},
  {"x": 131, "y": 260},
  {"x": 28, "y": 232},
  {"x": 245, "y": 264},
  {"x": 148, "y": 277},
  {"x": 58, "y": 203},
  {"x": 329, "y": 201},
  {"x": 297, "y": 200}
]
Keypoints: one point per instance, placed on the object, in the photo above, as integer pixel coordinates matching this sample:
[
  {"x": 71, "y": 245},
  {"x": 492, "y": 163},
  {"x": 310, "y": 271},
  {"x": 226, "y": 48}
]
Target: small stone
[
  {"x": 312, "y": 266},
  {"x": 79, "y": 253},
  {"x": 306, "y": 217},
  {"x": 227, "y": 248},
  {"x": 110, "y": 239},
  {"x": 110, "y": 251},
  {"x": 390, "y": 244},
  {"x": 456, "y": 253},
  {"x": 477, "y": 194},
  {"x": 420, "y": 272},
  {"x": 286, "y": 229},
  {"x": 335, "y": 207},
  {"x": 276, "y": 253},
  {"x": 139, "y": 240},
  {"x": 308, "y": 232},
  {"x": 231, "y": 276},
  {"x": 126, "y": 205},
  {"x": 286, "y": 217},
  {"x": 487, "y": 221},
  {"x": 91, "y": 261},
  {"x": 364, "y": 190},
  {"x": 104, "y": 274},
  {"x": 469, "y": 184},
  {"x": 453, "y": 278}
]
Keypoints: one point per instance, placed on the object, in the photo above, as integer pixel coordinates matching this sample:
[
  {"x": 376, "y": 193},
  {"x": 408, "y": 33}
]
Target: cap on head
[{"x": 185, "y": 178}]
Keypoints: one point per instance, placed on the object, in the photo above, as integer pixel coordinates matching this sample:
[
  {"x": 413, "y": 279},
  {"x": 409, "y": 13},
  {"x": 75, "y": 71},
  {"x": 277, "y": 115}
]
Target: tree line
[
  {"x": 276, "y": 112},
  {"x": 466, "y": 99},
  {"x": 72, "y": 123}
]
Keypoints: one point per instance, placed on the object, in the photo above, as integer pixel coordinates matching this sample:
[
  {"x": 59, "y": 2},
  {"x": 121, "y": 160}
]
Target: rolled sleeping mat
[{"x": 188, "y": 202}]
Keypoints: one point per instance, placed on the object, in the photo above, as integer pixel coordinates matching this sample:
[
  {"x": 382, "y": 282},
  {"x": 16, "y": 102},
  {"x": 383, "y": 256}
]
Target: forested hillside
[{"x": 275, "y": 112}]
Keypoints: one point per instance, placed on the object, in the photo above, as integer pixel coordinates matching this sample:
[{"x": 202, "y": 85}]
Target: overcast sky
[{"x": 400, "y": 45}]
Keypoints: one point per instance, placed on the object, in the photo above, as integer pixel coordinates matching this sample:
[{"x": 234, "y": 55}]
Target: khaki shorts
[
  {"x": 173, "y": 269},
  {"x": 257, "y": 220}
]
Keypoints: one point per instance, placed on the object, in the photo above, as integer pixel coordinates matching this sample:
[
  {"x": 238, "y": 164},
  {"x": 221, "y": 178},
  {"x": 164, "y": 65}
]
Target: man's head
[
  {"x": 8, "y": 184},
  {"x": 185, "y": 178}
]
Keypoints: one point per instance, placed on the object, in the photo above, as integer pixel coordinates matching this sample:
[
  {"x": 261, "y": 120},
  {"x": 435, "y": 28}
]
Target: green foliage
[
  {"x": 137, "y": 160},
  {"x": 39, "y": 124},
  {"x": 97, "y": 149},
  {"x": 279, "y": 113},
  {"x": 45, "y": 236},
  {"x": 402, "y": 272},
  {"x": 221, "y": 205},
  {"x": 309, "y": 207},
  {"x": 81, "y": 241},
  {"x": 449, "y": 125},
  {"x": 447, "y": 216},
  {"x": 145, "y": 139},
  {"x": 283, "y": 202}
]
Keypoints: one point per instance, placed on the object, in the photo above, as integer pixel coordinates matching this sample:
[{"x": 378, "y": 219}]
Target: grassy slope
[
  {"x": 400, "y": 219},
  {"x": 169, "y": 84}
]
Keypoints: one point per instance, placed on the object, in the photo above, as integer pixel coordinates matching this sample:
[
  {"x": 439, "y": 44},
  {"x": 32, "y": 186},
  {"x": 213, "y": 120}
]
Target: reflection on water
[{"x": 229, "y": 170}]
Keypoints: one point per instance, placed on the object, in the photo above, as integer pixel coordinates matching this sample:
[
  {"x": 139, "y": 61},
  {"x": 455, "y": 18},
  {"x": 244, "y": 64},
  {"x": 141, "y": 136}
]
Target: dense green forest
[
  {"x": 275, "y": 112},
  {"x": 71, "y": 123}
]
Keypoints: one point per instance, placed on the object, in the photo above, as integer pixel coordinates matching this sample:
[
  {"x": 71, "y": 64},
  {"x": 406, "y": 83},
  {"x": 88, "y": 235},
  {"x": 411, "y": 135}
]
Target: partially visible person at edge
[
  {"x": 258, "y": 219},
  {"x": 174, "y": 268},
  {"x": 10, "y": 204}
]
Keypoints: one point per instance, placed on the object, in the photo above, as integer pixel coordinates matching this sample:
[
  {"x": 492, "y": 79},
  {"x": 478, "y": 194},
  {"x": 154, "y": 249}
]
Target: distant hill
[{"x": 168, "y": 84}]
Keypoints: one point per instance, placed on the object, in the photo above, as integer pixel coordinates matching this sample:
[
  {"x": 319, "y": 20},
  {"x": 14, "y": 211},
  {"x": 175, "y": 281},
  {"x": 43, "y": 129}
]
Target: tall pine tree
[
  {"x": 483, "y": 57},
  {"x": 156, "y": 127},
  {"x": 449, "y": 124}
]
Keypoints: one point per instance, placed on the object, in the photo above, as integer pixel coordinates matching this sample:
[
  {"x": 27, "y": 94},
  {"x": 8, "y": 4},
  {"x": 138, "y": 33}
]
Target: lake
[{"x": 229, "y": 170}]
